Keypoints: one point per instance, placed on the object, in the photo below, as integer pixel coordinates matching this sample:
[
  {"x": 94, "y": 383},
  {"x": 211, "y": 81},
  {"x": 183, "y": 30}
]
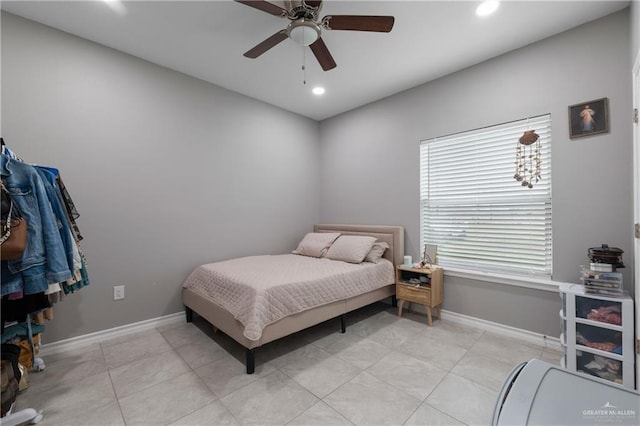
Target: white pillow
[
  {"x": 376, "y": 252},
  {"x": 316, "y": 244},
  {"x": 350, "y": 248}
]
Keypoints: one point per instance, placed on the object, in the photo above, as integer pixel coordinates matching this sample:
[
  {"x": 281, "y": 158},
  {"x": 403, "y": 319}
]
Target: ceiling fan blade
[
  {"x": 267, "y": 44},
  {"x": 314, "y": 4},
  {"x": 322, "y": 54},
  {"x": 381, "y": 24},
  {"x": 265, "y": 6}
]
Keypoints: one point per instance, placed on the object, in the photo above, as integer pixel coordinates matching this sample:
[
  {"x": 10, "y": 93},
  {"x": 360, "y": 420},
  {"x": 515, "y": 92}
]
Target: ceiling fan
[{"x": 305, "y": 28}]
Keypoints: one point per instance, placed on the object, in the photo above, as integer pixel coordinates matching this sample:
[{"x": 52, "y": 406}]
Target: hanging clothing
[
  {"x": 51, "y": 188},
  {"x": 17, "y": 310},
  {"x": 6, "y": 151},
  {"x": 51, "y": 265},
  {"x": 72, "y": 212},
  {"x": 80, "y": 279},
  {"x": 44, "y": 260},
  {"x": 66, "y": 201}
]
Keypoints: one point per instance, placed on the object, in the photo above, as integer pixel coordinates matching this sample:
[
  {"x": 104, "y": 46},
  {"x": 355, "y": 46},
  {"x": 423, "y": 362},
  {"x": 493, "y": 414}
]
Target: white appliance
[{"x": 539, "y": 393}]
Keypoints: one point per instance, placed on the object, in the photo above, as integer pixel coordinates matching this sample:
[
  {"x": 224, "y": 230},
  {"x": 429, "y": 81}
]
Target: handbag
[
  {"x": 13, "y": 239},
  {"x": 11, "y": 376}
]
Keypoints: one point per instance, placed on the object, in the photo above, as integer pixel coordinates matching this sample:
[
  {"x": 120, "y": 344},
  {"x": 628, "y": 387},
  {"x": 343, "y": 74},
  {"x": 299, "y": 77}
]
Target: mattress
[{"x": 259, "y": 290}]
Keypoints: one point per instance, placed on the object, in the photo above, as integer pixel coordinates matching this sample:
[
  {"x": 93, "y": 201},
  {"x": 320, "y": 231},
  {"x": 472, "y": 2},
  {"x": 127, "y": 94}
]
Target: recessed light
[
  {"x": 117, "y": 6},
  {"x": 487, "y": 7},
  {"x": 318, "y": 91}
]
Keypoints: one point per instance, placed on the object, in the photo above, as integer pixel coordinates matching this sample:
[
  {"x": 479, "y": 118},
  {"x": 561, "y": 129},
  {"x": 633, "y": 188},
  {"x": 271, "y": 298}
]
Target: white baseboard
[
  {"x": 505, "y": 330},
  {"x": 91, "y": 338},
  {"x": 75, "y": 343}
]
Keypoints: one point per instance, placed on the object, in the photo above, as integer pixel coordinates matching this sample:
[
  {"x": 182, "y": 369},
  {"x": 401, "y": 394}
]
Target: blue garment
[
  {"x": 20, "y": 330},
  {"x": 44, "y": 260},
  {"x": 51, "y": 187},
  {"x": 11, "y": 154},
  {"x": 82, "y": 282}
]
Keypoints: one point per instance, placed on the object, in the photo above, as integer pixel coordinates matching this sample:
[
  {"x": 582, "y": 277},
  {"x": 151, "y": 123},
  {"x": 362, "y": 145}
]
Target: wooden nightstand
[{"x": 429, "y": 293}]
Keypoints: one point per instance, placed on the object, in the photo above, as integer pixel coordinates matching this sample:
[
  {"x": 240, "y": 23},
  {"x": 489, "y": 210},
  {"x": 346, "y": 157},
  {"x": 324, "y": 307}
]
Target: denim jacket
[
  {"x": 44, "y": 260},
  {"x": 50, "y": 185}
]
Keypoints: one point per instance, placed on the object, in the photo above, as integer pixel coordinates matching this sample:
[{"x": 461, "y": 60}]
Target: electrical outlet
[{"x": 118, "y": 292}]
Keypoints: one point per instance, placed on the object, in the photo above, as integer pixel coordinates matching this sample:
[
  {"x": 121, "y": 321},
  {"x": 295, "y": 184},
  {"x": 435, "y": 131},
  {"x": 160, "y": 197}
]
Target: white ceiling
[{"x": 206, "y": 39}]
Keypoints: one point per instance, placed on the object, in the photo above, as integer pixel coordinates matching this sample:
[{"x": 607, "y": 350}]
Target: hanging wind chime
[{"x": 528, "y": 160}]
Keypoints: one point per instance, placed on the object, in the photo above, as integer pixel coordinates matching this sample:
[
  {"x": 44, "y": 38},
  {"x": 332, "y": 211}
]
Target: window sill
[{"x": 543, "y": 284}]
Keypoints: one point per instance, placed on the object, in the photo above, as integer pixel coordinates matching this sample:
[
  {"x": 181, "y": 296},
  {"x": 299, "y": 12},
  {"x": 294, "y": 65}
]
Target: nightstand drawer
[{"x": 414, "y": 294}]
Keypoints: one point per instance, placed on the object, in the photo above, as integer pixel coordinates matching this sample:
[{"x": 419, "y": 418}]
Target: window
[{"x": 471, "y": 206}]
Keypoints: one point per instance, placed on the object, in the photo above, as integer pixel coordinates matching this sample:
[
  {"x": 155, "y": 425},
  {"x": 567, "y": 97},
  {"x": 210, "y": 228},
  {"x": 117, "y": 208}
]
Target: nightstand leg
[
  {"x": 438, "y": 311},
  {"x": 400, "y": 304},
  {"x": 429, "y": 320}
]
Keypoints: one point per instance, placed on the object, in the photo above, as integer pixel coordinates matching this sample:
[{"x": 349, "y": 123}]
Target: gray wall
[
  {"x": 635, "y": 29},
  {"x": 370, "y": 157},
  {"x": 168, "y": 172}
]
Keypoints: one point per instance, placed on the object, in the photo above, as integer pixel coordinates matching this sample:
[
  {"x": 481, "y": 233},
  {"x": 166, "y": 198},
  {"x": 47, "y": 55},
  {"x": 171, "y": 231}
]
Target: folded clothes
[
  {"x": 20, "y": 330},
  {"x": 600, "y": 363},
  {"x": 608, "y": 314},
  {"x": 603, "y": 346}
]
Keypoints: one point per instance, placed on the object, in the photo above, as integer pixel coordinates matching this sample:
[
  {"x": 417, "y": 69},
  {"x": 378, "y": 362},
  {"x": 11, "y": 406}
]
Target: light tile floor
[{"x": 384, "y": 370}]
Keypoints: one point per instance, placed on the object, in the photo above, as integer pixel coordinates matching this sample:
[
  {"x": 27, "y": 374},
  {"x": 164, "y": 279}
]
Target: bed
[{"x": 252, "y": 333}]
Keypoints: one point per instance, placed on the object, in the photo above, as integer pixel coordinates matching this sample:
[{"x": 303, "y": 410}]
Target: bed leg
[
  {"x": 343, "y": 324},
  {"x": 394, "y": 301},
  {"x": 251, "y": 360},
  {"x": 189, "y": 313}
]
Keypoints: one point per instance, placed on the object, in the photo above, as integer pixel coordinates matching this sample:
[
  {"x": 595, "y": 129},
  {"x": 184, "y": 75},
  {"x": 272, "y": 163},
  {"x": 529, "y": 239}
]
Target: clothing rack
[
  {"x": 26, "y": 415},
  {"x": 62, "y": 255}
]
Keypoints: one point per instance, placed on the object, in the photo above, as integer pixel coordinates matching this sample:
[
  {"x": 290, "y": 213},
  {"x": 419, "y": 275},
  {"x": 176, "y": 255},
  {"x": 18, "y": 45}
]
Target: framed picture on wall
[{"x": 589, "y": 118}]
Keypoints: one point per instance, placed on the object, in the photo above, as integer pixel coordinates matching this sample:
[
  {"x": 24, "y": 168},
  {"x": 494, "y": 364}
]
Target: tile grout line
[
  {"x": 424, "y": 401},
  {"x": 449, "y": 372},
  {"x": 113, "y": 387},
  {"x": 199, "y": 379}
]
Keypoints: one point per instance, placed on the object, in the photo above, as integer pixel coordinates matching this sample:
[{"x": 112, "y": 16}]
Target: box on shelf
[
  {"x": 609, "y": 283},
  {"x": 601, "y": 267}
]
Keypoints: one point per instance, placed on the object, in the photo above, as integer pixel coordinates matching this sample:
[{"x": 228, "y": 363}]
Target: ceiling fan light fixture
[
  {"x": 306, "y": 29},
  {"x": 303, "y": 31},
  {"x": 318, "y": 90}
]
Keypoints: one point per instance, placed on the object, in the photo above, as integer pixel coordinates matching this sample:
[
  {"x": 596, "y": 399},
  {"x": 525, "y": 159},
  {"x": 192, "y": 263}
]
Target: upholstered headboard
[{"x": 392, "y": 235}]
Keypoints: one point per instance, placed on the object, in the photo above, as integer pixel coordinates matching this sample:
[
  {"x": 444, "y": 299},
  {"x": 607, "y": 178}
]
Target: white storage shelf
[{"x": 597, "y": 334}]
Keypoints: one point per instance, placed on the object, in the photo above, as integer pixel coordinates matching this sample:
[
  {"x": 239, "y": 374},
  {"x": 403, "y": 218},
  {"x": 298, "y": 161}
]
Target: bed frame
[{"x": 221, "y": 319}]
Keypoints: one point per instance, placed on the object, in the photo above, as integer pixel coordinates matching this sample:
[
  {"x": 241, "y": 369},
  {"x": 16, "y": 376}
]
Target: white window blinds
[{"x": 480, "y": 217}]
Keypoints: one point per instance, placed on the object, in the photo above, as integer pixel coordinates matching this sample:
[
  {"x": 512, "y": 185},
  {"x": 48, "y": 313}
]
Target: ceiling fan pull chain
[{"x": 304, "y": 69}]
